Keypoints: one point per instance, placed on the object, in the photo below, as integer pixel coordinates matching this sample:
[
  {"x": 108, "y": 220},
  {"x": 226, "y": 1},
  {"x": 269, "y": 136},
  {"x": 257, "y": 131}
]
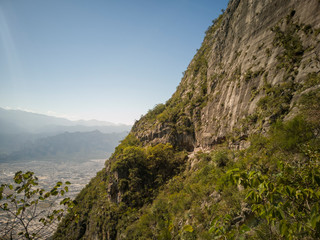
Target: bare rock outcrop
[{"x": 253, "y": 49}]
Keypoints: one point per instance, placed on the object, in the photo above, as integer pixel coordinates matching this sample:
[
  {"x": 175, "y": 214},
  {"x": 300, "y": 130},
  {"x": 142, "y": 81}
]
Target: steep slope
[
  {"x": 254, "y": 45},
  {"x": 244, "y": 117}
]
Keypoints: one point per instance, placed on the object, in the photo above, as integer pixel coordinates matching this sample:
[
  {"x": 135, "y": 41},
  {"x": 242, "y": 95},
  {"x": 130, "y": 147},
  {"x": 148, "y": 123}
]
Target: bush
[
  {"x": 290, "y": 135},
  {"x": 220, "y": 158}
]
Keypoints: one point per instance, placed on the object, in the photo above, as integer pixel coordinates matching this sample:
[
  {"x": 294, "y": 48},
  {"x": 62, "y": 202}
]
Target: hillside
[{"x": 234, "y": 153}]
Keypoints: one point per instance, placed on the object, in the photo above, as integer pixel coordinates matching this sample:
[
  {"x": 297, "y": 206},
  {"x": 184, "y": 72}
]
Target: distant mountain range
[
  {"x": 67, "y": 146},
  {"x": 32, "y": 136},
  {"x": 17, "y": 121}
]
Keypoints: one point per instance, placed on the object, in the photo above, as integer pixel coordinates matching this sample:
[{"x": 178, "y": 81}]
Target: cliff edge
[{"x": 233, "y": 154}]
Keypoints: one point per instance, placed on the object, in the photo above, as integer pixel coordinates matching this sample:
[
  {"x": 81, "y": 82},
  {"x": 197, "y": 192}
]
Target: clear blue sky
[{"x": 97, "y": 59}]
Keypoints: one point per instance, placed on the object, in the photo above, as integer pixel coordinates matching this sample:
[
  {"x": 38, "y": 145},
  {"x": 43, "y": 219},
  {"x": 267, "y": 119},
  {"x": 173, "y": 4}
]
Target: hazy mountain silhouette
[
  {"x": 67, "y": 146},
  {"x": 17, "y": 121},
  {"x": 25, "y": 135}
]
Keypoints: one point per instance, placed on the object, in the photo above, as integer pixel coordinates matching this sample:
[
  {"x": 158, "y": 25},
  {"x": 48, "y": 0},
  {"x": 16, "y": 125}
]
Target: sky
[{"x": 98, "y": 59}]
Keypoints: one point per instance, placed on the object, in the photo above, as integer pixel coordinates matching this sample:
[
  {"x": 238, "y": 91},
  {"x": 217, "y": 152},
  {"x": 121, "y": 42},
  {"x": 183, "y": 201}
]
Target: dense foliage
[
  {"x": 269, "y": 191},
  {"x": 135, "y": 174}
]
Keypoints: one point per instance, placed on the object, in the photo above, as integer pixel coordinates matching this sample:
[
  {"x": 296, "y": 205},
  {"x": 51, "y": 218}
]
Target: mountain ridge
[
  {"x": 21, "y": 130},
  {"x": 233, "y": 154},
  {"x": 39, "y": 123},
  {"x": 66, "y": 147}
]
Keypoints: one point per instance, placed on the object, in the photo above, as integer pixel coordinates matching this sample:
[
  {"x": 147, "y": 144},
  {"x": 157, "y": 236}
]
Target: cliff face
[
  {"x": 252, "y": 44},
  {"x": 258, "y": 62}
]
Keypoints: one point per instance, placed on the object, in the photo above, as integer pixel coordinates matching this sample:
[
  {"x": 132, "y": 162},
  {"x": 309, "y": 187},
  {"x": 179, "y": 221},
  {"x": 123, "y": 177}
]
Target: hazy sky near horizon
[{"x": 99, "y": 59}]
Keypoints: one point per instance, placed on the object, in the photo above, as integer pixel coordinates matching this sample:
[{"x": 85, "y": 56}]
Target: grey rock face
[{"x": 253, "y": 45}]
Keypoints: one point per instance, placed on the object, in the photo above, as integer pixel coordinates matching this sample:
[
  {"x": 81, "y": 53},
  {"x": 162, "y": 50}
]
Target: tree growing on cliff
[{"x": 28, "y": 212}]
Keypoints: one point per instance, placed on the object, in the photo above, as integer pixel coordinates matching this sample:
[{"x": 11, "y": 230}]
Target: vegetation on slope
[
  {"x": 271, "y": 190},
  {"x": 131, "y": 179}
]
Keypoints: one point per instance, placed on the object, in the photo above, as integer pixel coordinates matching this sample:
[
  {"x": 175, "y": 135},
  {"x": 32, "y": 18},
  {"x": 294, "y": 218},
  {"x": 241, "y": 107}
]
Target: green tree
[{"x": 29, "y": 212}]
